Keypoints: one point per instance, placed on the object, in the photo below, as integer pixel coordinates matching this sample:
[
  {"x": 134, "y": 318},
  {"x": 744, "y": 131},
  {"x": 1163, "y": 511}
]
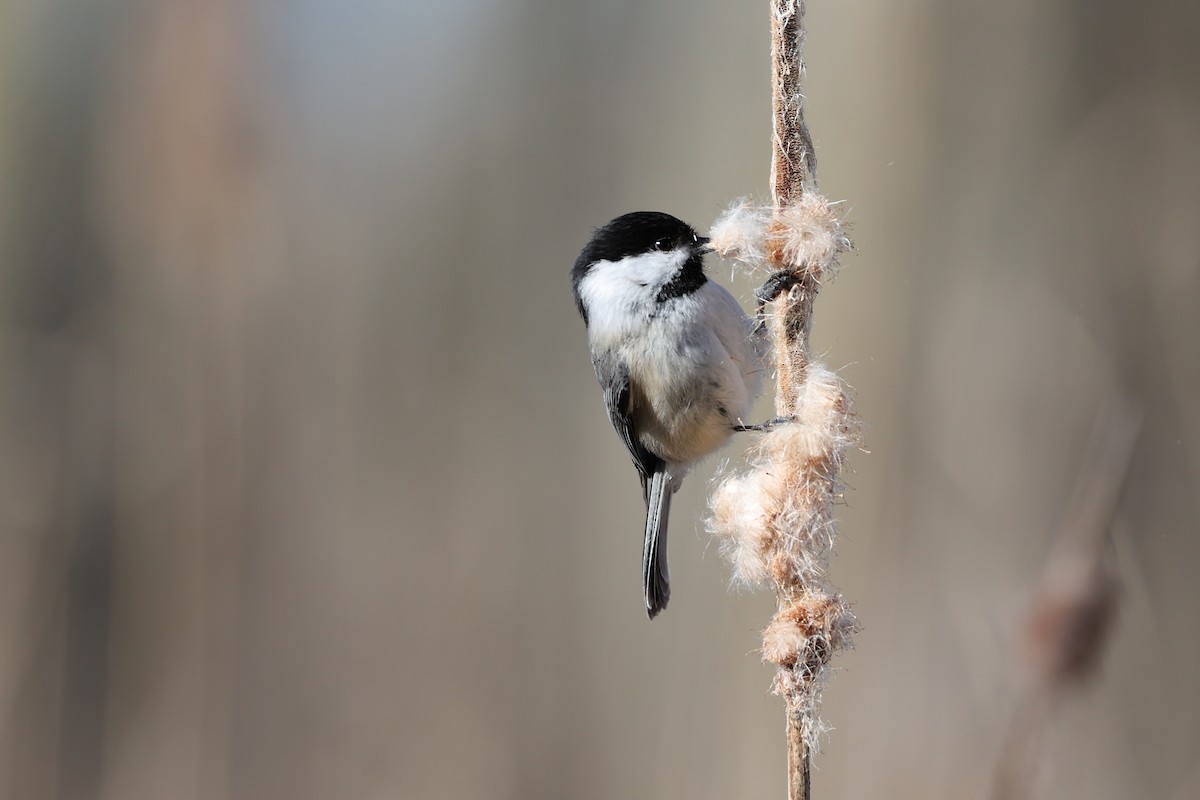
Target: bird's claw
[
  {"x": 762, "y": 427},
  {"x": 778, "y": 283}
]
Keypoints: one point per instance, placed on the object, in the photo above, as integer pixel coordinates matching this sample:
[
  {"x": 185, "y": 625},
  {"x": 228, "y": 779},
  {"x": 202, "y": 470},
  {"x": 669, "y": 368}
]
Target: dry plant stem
[
  {"x": 1022, "y": 743},
  {"x": 1073, "y": 608},
  {"x": 792, "y": 161},
  {"x": 793, "y": 164},
  {"x": 799, "y": 762},
  {"x": 775, "y": 519}
]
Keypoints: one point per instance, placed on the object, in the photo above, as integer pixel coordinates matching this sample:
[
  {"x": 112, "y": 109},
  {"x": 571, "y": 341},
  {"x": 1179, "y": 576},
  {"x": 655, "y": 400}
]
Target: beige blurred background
[{"x": 306, "y": 490}]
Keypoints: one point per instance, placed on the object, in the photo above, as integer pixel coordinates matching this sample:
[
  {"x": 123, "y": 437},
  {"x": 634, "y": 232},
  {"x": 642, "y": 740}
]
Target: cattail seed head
[
  {"x": 775, "y": 520},
  {"x": 813, "y": 236},
  {"x": 805, "y": 633},
  {"x": 740, "y": 233},
  {"x": 808, "y": 236}
]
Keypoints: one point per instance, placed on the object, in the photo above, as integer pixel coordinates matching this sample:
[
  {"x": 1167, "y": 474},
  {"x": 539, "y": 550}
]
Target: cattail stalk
[
  {"x": 776, "y": 520},
  {"x": 1072, "y": 609},
  {"x": 793, "y": 164}
]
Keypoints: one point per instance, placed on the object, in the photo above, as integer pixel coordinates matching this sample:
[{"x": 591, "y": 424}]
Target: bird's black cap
[{"x": 633, "y": 234}]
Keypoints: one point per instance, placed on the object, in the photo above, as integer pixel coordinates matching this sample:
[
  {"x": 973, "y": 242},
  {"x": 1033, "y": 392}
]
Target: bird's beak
[{"x": 702, "y": 245}]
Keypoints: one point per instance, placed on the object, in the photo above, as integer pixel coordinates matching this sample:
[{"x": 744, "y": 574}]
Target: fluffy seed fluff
[
  {"x": 806, "y": 633},
  {"x": 740, "y": 233},
  {"x": 775, "y": 525},
  {"x": 774, "y": 521},
  {"x": 808, "y": 235}
]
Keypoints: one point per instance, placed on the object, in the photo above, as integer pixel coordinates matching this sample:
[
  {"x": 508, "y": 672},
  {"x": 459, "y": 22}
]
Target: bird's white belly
[{"x": 688, "y": 392}]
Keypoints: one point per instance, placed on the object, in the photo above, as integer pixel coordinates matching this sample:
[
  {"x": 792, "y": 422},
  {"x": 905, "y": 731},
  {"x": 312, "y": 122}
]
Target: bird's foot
[
  {"x": 763, "y": 426},
  {"x": 778, "y": 283}
]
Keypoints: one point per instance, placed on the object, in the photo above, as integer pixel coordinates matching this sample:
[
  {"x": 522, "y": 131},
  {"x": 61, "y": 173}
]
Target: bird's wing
[
  {"x": 746, "y": 345},
  {"x": 613, "y": 374}
]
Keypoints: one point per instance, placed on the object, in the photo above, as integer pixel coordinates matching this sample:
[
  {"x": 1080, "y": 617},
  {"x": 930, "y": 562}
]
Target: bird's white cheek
[
  {"x": 620, "y": 293},
  {"x": 617, "y": 306}
]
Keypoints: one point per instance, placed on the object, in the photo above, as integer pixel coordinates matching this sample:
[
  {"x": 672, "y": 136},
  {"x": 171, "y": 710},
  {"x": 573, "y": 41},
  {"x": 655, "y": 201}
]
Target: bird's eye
[
  {"x": 662, "y": 244},
  {"x": 695, "y": 238}
]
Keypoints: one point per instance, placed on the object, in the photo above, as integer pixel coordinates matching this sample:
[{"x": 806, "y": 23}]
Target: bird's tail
[{"x": 656, "y": 579}]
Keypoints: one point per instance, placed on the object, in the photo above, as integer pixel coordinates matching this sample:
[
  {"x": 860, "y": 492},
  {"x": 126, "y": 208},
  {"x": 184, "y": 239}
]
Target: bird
[{"x": 678, "y": 360}]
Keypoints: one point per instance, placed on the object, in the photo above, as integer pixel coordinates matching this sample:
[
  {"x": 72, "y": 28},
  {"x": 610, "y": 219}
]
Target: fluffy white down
[{"x": 809, "y": 233}]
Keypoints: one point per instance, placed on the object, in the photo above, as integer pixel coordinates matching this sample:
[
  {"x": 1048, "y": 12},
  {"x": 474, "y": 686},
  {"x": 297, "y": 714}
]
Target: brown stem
[
  {"x": 793, "y": 162},
  {"x": 791, "y": 344},
  {"x": 799, "y": 787},
  {"x": 793, "y": 165},
  {"x": 793, "y": 168},
  {"x": 1074, "y": 607}
]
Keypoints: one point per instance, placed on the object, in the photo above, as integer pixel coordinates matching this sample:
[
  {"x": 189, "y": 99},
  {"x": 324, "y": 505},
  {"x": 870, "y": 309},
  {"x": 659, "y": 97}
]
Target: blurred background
[{"x": 306, "y": 488}]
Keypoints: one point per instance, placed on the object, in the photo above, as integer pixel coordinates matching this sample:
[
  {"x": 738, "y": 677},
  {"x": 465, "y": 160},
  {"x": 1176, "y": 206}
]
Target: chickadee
[{"x": 677, "y": 358}]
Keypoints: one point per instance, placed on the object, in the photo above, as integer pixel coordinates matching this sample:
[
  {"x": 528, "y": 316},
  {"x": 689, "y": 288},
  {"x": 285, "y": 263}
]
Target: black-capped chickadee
[{"x": 677, "y": 358}]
